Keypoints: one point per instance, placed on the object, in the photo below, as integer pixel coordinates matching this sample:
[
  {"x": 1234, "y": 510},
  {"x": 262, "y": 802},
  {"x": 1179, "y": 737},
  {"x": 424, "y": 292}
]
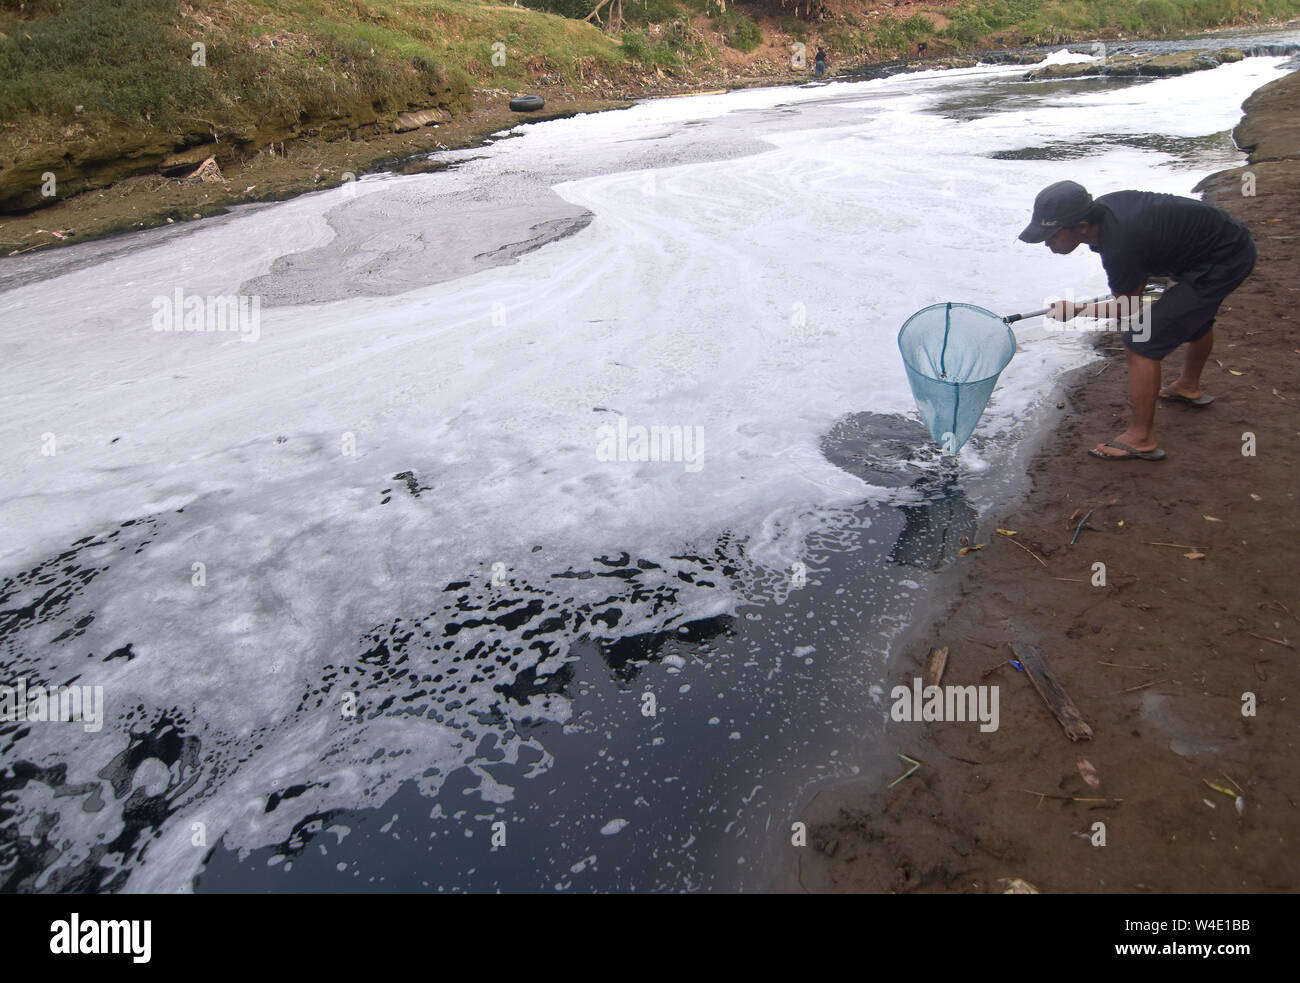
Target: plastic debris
[
  {"x": 1017, "y": 885},
  {"x": 1079, "y": 528},
  {"x": 915, "y": 765},
  {"x": 1088, "y": 772}
]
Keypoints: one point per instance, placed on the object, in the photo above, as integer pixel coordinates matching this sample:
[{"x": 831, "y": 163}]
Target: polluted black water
[
  {"x": 664, "y": 761},
  {"x": 684, "y": 752}
]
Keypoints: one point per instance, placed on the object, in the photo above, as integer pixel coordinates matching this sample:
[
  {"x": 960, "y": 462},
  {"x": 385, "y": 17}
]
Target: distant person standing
[{"x": 819, "y": 65}]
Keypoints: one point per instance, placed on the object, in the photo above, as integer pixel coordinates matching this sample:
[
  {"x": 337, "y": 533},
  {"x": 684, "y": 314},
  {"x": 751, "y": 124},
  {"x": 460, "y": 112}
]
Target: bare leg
[
  {"x": 1143, "y": 384},
  {"x": 1198, "y": 353}
]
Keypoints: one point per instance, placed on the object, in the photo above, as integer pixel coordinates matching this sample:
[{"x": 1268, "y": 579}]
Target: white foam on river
[{"x": 747, "y": 263}]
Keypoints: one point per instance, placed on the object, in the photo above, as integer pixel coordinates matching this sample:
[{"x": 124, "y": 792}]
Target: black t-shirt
[{"x": 1146, "y": 234}]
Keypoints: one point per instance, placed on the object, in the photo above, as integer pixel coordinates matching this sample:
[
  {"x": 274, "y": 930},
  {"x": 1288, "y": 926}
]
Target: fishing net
[{"x": 954, "y": 354}]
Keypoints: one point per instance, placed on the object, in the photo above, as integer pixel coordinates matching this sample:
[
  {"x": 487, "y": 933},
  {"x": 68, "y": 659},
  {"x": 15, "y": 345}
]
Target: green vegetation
[
  {"x": 104, "y": 64},
  {"x": 1044, "y": 21},
  {"x": 128, "y": 62},
  {"x": 126, "y": 86},
  {"x": 647, "y": 11},
  {"x": 917, "y": 27},
  {"x": 843, "y": 43},
  {"x": 796, "y": 28},
  {"x": 57, "y": 58},
  {"x": 138, "y": 62},
  {"x": 741, "y": 32},
  {"x": 577, "y": 9},
  {"x": 661, "y": 54},
  {"x": 138, "y": 84}
]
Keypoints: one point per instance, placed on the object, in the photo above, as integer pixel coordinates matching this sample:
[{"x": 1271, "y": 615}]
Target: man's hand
[{"x": 1064, "y": 310}]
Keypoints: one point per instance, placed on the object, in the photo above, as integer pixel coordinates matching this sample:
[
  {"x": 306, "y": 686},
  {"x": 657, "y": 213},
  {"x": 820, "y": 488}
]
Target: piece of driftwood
[
  {"x": 207, "y": 173},
  {"x": 938, "y": 662},
  {"x": 1051, "y": 691}
]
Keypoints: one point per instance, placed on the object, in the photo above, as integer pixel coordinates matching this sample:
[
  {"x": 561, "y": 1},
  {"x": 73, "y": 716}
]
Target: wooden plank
[
  {"x": 938, "y": 662},
  {"x": 1052, "y": 692}
]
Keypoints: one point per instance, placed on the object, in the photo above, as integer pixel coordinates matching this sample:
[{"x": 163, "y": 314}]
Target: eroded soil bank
[{"x": 311, "y": 159}]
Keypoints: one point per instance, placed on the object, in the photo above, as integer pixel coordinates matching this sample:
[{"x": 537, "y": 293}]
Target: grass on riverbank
[
  {"x": 94, "y": 63},
  {"x": 975, "y": 23},
  {"x": 96, "y": 90},
  {"x": 129, "y": 61},
  {"x": 92, "y": 90},
  {"x": 983, "y": 24}
]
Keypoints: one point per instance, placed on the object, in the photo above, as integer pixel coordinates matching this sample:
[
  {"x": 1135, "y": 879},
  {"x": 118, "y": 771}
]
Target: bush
[
  {"x": 634, "y": 11},
  {"x": 917, "y": 27},
  {"x": 794, "y": 27},
  {"x": 634, "y": 45},
  {"x": 739, "y": 31},
  {"x": 890, "y": 36},
  {"x": 645, "y": 11},
  {"x": 1212, "y": 13},
  {"x": 638, "y": 47},
  {"x": 841, "y": 42},
  {"x": 1160, "y": 15},
  {"x": 577, "y": 9},
  {"x": 967, "y": 28}
]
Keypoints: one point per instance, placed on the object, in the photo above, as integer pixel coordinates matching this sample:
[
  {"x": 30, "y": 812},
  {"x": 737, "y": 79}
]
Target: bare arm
[{"x": 1118, "y": 307}]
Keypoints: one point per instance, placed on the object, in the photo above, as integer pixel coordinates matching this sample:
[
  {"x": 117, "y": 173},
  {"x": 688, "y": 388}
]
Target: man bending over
[{"x": 1140, "y": 234}]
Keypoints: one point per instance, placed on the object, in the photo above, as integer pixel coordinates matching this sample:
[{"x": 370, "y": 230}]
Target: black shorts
[{"x": 1185, "y": 312}]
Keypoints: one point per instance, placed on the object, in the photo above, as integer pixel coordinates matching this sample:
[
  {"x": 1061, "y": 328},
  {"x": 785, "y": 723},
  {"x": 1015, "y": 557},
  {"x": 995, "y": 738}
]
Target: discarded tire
[{"x": 527, "y": 104}]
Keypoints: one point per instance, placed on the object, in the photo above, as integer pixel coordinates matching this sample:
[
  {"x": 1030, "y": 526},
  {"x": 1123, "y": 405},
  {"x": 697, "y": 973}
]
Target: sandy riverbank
[{"x": 1160, "y": 661}]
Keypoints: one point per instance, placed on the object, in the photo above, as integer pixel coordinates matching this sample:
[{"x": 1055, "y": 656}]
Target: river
[{"x": 379, "y": 592}]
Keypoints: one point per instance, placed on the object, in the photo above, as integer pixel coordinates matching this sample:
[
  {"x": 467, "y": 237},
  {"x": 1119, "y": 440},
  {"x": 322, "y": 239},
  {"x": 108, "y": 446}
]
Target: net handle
[{"x": 1151, "y": 291}]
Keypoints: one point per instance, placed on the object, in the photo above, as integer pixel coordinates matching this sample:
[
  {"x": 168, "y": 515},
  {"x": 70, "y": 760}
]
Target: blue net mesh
[{"x": 954, "y": 354}]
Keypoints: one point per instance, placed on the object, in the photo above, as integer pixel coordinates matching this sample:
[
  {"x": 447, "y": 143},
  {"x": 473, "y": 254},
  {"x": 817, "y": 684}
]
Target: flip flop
[
  {"x": 1132, "y": 453},
  {"x": 1205, "y": 400}
]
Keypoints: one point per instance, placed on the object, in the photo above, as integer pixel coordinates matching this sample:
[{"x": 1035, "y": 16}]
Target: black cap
[{"x": 1057, "y": 205}]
